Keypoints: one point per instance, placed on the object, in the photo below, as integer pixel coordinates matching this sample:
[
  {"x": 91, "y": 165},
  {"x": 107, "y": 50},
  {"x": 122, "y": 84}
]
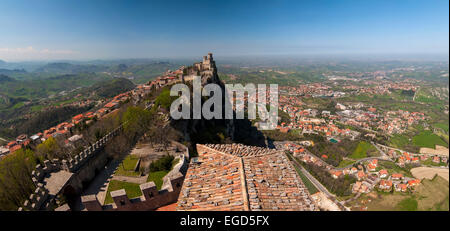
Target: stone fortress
[
  {"x": 206, "y": 69},
  {"x": 66, "y": 177},
  {"x": 222, "y": 177},
  {"x": 151, "y": 198}
]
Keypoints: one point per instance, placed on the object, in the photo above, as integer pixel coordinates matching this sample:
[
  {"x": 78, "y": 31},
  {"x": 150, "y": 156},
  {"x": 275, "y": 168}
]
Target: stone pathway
[
  {"x": 131, "y": 179},
  {"x": 99, "y": 185}
]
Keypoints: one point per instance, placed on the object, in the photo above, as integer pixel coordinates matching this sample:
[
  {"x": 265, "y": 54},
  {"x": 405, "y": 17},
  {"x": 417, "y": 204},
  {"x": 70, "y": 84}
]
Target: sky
[{"x": 112, "y": 29}]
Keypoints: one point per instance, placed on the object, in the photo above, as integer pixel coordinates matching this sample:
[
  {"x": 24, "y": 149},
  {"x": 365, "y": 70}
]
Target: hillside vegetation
[{"x": 110, "y": 88}]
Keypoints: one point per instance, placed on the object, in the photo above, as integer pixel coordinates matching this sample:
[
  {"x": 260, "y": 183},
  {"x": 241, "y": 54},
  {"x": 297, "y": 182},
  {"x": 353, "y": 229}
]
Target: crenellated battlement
[
  {"x": 151, "y": 198},
  {"x": 36, "y": 199},
  {"x": 72, "y": 165}
]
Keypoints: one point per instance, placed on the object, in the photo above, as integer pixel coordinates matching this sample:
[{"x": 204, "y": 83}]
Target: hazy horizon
[
  {"x": 90, "y": 30},
  {"x": 298, "y": 57}
]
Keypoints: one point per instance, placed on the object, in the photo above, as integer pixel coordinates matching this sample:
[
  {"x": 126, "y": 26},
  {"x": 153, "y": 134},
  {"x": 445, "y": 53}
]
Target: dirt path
[{"x": 131, "y": 179}]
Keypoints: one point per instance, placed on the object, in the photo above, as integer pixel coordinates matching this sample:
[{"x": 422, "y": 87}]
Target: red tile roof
[
  {"x": 14, "y": 148},
  {"x": 239, "y": 177},
  {"x": 78, "y": 117}
]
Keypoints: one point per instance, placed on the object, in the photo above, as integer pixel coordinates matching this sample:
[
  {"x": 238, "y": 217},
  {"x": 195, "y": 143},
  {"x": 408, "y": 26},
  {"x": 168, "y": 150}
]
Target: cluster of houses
[
  {"x": 366, "y": 181},
  {"x": 14, "y": 145},
  {"x": 167, "y": 78},
  {"x": 398, "y": 121},
  {"x": 65, "y": 129},
  {"x": 384, "y": 181},
  {"x": 353, "y": 114},
  {"x": 381, "y": 86},
  {"x": 307, "y": 90},
  {"x": 410, "y": 158},
  {"x": 305, "y": 121},
  {"x": 390, "y": 122},
  {"x": 368, "y": 178},
  {"x": 301, "y": 153}
]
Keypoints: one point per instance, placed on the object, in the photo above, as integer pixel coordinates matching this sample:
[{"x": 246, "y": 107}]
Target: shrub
[{"x": 162, "y": 164}]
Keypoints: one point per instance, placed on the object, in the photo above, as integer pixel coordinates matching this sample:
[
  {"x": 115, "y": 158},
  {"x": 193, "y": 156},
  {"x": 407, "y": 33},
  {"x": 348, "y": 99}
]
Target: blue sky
[{"x": 109, "y": 29}]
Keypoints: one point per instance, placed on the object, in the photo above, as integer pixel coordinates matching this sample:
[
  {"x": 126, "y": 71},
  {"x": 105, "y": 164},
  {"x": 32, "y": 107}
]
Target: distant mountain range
[
  {"x": 12, "y": 72},
  {"x": 67, "y": 68},
  {"x": 4, "y": 79}
]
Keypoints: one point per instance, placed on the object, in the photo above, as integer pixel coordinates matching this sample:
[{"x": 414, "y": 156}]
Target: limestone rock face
[{"x": 237, "y": 130}]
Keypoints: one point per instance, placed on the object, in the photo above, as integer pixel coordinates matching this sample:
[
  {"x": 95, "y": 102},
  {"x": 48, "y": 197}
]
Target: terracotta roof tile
[{"x": 239, "y": 177}]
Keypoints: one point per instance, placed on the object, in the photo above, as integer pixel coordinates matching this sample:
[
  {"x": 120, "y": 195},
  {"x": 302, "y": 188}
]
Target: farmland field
[
  {"x": 428, "y": 139},
  {"x": 428, "y": 173}
]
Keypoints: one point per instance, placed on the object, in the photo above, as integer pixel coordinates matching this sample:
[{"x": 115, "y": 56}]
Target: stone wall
[
  {"x": 82, "y": 165},
  {"x": 36, "y": 199},
  {"x": 151, "y": 198}
]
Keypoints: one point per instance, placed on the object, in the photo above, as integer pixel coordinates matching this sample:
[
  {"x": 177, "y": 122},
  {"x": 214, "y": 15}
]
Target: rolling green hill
[
  {"x": 111, "y": 88},
  {"x": 41, "y": 88},
  {"x": 68, "y": 68}
]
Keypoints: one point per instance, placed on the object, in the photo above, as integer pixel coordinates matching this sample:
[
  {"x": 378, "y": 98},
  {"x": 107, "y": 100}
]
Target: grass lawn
[
  {"x": 402, "y": 141},
  {"x": 398, "y": 140},
  {"x": 157, "y": 178},
  {"x": 407, "y": 204},
  {"x": 132, "y": 190},
  {"x": 442, "y": 125},
  {"x": 428, "y": 139},
  {"x": 433, "y": 194},
  {"x": 362, "y": 150},
  {"x": 126, "y": 168},
  {"x": 344, "y": 163},
  {"x": 310, "y": 186}
]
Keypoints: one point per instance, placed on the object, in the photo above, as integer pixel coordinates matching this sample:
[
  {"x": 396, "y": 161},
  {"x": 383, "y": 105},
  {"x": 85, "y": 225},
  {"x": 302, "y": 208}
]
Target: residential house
[
  {"x": 375, "y": 162},
  {"x": 412, "y": 183},
  {"x": 356, "y": 187},
  {"x": 401, "y": 187},
  {"x": 371, "y": 167},
  {"x": 336, "y": 174},
  {"x": 397, "y": 176},
  {"x": 385, "y": 185},
  {"x": 436, "y": 159},
  {"x": 383, "y": 173},
  {"x": 360, "y": 175}
]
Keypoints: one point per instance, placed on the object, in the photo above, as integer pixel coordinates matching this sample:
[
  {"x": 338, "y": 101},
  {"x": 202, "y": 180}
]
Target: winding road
[{"x": 319, "y": 185}]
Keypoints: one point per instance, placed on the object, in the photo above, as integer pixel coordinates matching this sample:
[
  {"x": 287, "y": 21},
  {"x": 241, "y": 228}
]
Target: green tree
[
  {"x": 15, "y": 178},
  {"x": 50, "y": 149},
  {"x": 136, "y": 121}
]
